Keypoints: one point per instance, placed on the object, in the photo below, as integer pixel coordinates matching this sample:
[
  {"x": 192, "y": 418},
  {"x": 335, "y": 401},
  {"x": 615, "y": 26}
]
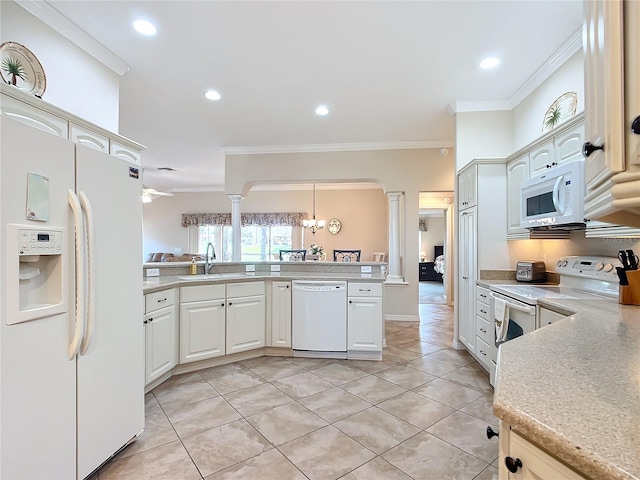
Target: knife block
[{"x": 630, "y": 294}]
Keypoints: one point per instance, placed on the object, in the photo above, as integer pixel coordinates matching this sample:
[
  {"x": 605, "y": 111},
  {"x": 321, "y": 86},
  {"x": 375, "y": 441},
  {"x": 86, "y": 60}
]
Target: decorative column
[
  {"x": 395, "y": 266},
  {"x": 236, "y": 225}
]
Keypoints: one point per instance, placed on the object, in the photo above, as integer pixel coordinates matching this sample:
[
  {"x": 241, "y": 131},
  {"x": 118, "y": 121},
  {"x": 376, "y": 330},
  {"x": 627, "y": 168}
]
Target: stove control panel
[{"x": 591, "y": 267}]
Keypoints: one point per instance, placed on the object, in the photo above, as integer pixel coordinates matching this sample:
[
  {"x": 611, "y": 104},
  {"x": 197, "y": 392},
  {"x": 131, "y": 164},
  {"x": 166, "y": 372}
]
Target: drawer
[
  {"x": 482, "y": 294},
  {"x": 484, "y": 352},
  {"x": 483, "y": 310},
  {"x": 245, "y": 289},
  {"x": 484, "y": 330},
  {"x": 161, "y": 299},
  {"x": 201, "y": 293},
  {"x": 362, "y": 289}
]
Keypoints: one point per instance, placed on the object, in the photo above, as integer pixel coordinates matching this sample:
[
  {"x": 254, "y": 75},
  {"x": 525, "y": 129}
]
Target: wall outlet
[
  {"x": 543, "y": 256},
  {"x": 365, "y": 269},
  {"x": 153, "y": 272},
  {"x": 275, "y": 268},
  {"x": 250, "y": 268}
]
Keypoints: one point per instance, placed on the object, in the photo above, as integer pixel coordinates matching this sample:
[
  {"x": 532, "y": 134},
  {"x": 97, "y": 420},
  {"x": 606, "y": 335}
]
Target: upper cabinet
[
  {"x": 517, "y": 171},
  {"x": 467, "y": 187},
  {"x": 612, "y": 106}
]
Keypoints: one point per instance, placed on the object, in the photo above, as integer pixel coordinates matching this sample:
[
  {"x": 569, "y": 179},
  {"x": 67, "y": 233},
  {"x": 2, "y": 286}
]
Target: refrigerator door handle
[
  {"x": 91, "y": 252},
  {"x": 74, "y": 346}
]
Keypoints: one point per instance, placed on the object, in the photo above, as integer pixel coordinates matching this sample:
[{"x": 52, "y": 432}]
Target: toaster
[{"x": 529, "y": 271}]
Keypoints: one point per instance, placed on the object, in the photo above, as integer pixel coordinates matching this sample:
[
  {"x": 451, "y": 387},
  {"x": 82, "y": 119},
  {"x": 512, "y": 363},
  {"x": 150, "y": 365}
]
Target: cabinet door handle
[
  {"x": 144, "y": 321},
  {"x": 465, "y": 278},
  {"x": 483, "y": 295},
  {"x": 364, "y": 290},
  {"x": 513, "y": 464},
  {"x": 635, "y": 126},
  {"x": 483, "y": 353},
  {"x": 151, "y": 319},
  {"x": 482, "y": 311},
  {"x": 588, "y": 148},
  {"x": 160, "y": 300},
  {"x": 483, "y": 330},
  {"x": 491, "y": 433}
]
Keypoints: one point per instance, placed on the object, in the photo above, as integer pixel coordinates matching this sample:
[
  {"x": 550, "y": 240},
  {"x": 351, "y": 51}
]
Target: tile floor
[{"x": 421, "y": 413}]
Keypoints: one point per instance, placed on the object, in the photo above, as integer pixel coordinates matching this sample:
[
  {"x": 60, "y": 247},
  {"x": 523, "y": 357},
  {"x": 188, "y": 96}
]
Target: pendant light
[{"x": 313, "y": 224}]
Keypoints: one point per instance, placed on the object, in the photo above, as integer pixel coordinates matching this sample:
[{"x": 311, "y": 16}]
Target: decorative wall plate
[
  {"x": 562, "y": 109},
  {"x": 334, "y": 226},
  {"x": 21, "y": 68}
]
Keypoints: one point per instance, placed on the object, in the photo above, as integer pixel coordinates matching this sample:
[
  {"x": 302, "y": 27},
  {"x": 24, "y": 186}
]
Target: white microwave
[{"x": 554, "y": 198}]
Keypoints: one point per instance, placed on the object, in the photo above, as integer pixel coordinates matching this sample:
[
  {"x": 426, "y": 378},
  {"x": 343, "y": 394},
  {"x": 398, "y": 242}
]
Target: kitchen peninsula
[
  {"x": 571, "y": 390},
  {"x": 243, "y": 310}
]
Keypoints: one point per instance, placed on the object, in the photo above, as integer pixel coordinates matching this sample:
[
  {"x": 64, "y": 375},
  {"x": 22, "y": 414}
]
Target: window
[{"x": 258, "y": 243}]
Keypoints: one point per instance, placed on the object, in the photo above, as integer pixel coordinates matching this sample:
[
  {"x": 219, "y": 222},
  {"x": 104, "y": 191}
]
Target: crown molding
[
  {"x": 555, "y": 61},
  {"x": 337, "y": 147},
  {"x": 280, "y": 187},
  {"x": 488, "y": 106},
  {"x": 46, "y": 13}
]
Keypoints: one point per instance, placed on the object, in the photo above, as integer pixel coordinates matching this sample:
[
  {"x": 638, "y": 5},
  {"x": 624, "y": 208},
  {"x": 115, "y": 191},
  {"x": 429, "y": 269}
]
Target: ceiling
[{"x": 388, "y": 71}]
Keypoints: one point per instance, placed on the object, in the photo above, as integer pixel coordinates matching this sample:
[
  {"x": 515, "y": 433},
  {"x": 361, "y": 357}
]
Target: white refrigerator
[{"x": 71, "y": 333}]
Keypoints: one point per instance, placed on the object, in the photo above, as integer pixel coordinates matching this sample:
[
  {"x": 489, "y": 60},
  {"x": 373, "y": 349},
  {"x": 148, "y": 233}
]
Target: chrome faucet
[{"x": 209, "y": 264}]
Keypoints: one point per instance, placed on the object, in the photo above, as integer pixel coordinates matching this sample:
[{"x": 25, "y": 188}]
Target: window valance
[{"x": 292, "y": 219}]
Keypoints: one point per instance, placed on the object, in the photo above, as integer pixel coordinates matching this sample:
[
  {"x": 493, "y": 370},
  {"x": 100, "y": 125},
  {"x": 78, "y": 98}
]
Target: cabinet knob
[
  {"x": 230, "y": 303},
  {"x": 512, "y": 464},
  {"x": 287, "y": 286},
  {"x": 350, "y": 301},
  {"x": 144, "y": 321},
  {"x": 635, "y": 126},
  {"x": 491, "y": 433},
  {"x": 222, "y": 304},
  {"x": 588, "y": 148},
  {"x": 465, "y": 278},
  {"x": 151, "y": 319},
  {"x": 483, "y": 311}
]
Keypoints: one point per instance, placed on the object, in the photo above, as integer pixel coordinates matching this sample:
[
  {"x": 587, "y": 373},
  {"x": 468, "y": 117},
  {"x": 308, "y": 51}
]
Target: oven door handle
[{"x": 528, "y": 309}]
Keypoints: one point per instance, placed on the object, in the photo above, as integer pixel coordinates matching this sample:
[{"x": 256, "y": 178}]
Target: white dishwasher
[{"x": 319, "y": 315}]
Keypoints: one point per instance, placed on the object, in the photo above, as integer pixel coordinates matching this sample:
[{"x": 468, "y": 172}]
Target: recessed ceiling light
[
  {"x": 489, "y": 62},
  {"x": 322, "y": 110},
  {"x": 212, "y": 95},
  {"x": 144, "y": 27}
]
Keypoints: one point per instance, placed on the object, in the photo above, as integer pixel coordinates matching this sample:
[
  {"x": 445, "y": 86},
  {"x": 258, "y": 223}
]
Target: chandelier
[{"x": 313, "y": 224}]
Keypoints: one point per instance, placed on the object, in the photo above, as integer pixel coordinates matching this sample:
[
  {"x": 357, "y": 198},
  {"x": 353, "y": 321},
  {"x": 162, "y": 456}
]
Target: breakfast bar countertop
[{"x": 573, "y": 387}]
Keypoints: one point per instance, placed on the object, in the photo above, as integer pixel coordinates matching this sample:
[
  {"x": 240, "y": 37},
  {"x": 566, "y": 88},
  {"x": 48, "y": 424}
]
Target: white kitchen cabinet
[
  {"x": 246, "y": 316},
  {"x": 547, "y": 316},
  {"x": 364, "y": 319},
  {"x": 88, "y": 138},
  {"x": 467, "y": 187},
  {"x": 467, "y": 251},
  {"x": 482, "y": 245},
  {"x": 159, "y": 334},
  {"x": 280, "y": 314},
  {"x": 542, "y": 158},
  {"x": 568, "y": 144},
  {"x": 486, "y": 350},
  {"x": 202, "y": 322},
  {"x": 612, "y": 103},
  {"x": 529, "y": 461},
  {"x": 517, "y": 171}
]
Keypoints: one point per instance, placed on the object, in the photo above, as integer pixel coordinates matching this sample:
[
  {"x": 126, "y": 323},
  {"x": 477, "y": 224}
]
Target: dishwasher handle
[{"x": 318, "y": 287}]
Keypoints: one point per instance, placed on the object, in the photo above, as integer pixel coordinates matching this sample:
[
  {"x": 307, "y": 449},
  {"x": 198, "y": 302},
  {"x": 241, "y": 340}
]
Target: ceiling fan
[{"x": 149, "y": 193}]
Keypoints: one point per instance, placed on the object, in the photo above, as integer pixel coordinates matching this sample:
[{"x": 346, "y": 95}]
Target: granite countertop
[
  {"x": 573, "y": 387},
  {"x": 154, "y": 284}
]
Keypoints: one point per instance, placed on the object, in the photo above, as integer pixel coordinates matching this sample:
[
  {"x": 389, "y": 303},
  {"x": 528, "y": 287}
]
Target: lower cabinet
[
  {"x": 202, "y": 322},
  {"x": 160, "y": 325},
  {"x": 202, "y": 330},
  {"x": 520, "y": 459},
  {"x": 364, "y": 317},
  {"x": 245, "y": 323},
  {"x": 160, "y": 342},
  {"x": 280, "y": 314}
]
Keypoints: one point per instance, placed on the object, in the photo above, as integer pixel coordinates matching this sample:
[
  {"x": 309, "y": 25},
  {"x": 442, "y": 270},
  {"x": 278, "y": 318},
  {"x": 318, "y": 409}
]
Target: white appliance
[
  {"x": 554, "y": 198},
  {"x": 585, "y": 277},
  {"x": 319, "y": 318},
  {"x": 71, "y": 335}
]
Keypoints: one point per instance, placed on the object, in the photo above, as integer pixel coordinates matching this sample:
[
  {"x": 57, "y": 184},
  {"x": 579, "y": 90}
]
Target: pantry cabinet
[
  {"x": 160, "y": 334},
  {"x": 467, "y": 187},
  {"x": 612, "y": 104},
  {"x": 482, "y": 244}
]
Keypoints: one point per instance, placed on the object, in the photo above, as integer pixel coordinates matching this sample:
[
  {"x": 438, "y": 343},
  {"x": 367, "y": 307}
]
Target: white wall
[
  {"x": 408, "y": 171},
  {"x": 433, "y": 236},
  {"x": 76, "y": 82},
  {"x": 529, "y": 114},
  {"x": 483, "y": 135},
  {"x": 362, "y": 228}
]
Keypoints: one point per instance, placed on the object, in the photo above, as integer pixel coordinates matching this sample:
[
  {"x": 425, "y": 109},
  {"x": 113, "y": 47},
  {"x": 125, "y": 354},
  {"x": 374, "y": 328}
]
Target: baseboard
[{"x": 402, "y": 318}]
